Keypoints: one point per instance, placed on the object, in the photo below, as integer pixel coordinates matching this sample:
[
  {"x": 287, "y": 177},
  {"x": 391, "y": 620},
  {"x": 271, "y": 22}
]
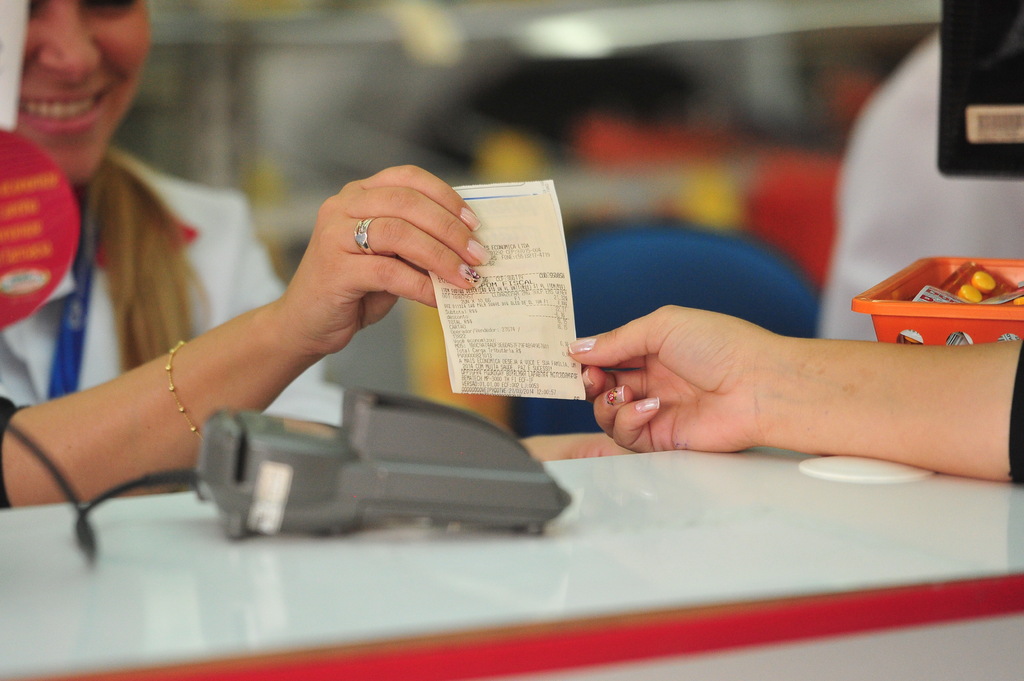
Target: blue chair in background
[{"x": 625, "y": 272}]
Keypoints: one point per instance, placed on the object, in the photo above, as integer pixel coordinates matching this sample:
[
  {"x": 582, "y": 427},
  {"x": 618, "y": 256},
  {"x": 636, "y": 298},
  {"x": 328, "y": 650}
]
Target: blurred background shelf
[{"x": 338, "y": 90}]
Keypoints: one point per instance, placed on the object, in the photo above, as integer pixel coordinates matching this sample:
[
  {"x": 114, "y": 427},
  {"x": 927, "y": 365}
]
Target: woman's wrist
[
  {"x": 790, "y": 384},
  {"x": 275, "y": 324}
]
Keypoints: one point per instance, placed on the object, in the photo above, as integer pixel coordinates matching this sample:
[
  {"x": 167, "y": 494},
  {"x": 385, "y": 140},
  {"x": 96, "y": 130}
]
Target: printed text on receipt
[{"x": 510, "y": 336}]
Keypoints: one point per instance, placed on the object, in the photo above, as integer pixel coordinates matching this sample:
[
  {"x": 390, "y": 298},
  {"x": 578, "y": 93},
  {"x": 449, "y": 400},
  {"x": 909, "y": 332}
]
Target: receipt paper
[{"x": 510, "y": 336}]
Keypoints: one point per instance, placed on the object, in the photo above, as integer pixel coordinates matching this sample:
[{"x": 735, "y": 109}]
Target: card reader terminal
[{"x": 393, "y": 457}]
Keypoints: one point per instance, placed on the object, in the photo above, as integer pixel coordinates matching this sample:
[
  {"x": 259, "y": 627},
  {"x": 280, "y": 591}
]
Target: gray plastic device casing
[{"x": 393, "y": 456}]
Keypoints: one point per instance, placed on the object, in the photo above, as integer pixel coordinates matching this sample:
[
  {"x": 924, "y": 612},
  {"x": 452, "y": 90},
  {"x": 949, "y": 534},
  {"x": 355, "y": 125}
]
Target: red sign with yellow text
[{"x": 39, "y": 227}]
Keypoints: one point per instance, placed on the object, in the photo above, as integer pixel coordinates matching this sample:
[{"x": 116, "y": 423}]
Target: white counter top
[{"x": 644, "y": 532}]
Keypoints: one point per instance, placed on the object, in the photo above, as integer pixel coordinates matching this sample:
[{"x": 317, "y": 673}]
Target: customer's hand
[
  {"x": 690, "y": 384},
  {"x": 419, "y": 225}
]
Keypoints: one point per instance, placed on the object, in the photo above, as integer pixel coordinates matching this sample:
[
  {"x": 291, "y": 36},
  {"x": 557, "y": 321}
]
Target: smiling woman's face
[{"x": 83, "y": 62}]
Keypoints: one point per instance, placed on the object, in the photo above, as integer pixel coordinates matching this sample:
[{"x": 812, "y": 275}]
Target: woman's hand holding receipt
[{"x": 410, "y": 221}]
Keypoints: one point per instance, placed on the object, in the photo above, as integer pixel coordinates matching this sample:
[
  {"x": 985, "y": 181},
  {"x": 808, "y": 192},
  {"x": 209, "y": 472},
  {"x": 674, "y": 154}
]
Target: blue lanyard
[{"x": 67, "y": 355}]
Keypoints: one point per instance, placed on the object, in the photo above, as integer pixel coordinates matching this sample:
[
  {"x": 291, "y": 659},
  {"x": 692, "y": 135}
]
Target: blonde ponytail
[{"x": 151, "y": 281}]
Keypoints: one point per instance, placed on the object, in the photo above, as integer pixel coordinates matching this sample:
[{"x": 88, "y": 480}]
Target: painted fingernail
[
  {"x": 582, "y": 345},
  {"x": 479, "y": 253},
  {"x": 586, "y": 378},
  {"x": 615, "y": 396},
  {"x": 649, "y": 404},
  {"x": 470, "y": 218},
  {"x": 470, "y": 275}
]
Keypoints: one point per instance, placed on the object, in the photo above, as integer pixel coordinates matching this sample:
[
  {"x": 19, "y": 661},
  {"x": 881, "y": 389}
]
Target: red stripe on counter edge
[{"x": 549, "y": 647}]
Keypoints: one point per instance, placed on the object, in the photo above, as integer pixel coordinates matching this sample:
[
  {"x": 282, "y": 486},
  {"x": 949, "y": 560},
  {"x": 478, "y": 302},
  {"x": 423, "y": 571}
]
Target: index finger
[
  {"x": 625, "y": 346},
  {"x": 427, "y": 184}
]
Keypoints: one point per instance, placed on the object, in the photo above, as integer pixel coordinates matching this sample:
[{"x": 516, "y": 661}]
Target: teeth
[{"x": 58, "y": 110}]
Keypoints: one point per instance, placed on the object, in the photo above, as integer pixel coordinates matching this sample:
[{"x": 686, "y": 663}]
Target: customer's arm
[{"x": 709, "y": 382}]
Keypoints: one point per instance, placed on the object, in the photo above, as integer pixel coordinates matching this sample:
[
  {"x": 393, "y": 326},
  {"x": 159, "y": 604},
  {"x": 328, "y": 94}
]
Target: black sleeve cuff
[
  {"x": 1017, "y": 423},
  {"x": 7, "y": 410}
]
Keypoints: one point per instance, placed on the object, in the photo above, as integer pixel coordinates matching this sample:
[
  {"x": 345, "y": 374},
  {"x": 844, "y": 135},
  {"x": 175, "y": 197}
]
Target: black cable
[
  {"x": 83, "y": 530},
  {"x": 84, "y": 533},
  {"x": 177, "y": 477}
]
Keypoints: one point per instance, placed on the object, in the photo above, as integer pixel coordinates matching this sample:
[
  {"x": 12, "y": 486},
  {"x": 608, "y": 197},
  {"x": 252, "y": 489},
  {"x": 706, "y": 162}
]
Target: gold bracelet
[{"x": 170, "y": 385}]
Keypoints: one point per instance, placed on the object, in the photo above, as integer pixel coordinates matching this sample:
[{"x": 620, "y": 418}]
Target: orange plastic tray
[{"x": 897, "y": 319}]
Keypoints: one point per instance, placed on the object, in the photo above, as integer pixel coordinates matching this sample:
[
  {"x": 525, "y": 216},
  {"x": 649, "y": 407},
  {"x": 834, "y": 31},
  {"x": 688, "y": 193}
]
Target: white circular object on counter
[{"x": 859, "y": 469}]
